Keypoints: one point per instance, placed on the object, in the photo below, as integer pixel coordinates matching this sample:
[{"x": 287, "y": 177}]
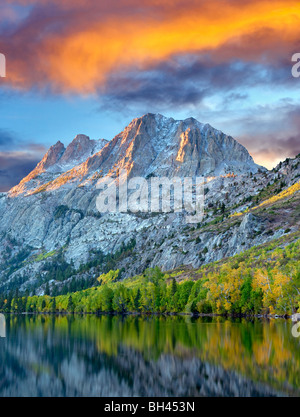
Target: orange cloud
[{"x": 82, "y": 57}]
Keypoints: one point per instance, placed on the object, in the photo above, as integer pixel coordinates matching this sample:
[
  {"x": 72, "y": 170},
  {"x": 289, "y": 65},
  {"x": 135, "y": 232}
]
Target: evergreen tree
[
  {"x": 47, "y": 289},
  {"x": 173, "y": 287},
  {"x": 137, "y": 300},
  {"x": 70, "y": 306},
  {"x": 53, "y": 308}
]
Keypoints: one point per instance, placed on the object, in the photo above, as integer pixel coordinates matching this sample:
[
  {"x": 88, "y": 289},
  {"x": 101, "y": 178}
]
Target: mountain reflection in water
[{"x": 152, "y": 356}]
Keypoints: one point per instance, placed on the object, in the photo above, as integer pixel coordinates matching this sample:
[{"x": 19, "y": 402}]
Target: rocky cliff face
[
  {"x": 166, "y": 147},
  {"x": 51, "y": 217},
  {"x": 49, "y": 161},
  {"x": 81, "y": 148},
  {"x": 150, "y": 145},
  {"x": 58, "y": 159}
]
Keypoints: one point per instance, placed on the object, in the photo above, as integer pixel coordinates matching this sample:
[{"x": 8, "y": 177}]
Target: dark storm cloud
[
  {"x": 182, "y": 82},
  {"x": 14, "y": 167},
  {"x": 17, "y": 158},
  {"x": 275, "y": 137}
]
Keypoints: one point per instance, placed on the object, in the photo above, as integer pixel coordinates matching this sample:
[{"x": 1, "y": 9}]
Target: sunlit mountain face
[{"x": 76, "y": 67}]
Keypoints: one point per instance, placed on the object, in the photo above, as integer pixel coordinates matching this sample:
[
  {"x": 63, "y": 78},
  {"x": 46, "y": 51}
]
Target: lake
[{"x": 147, "y": 356}]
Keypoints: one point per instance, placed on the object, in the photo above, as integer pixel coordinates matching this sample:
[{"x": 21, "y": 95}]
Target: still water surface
[{"x": 156, "y": 356}]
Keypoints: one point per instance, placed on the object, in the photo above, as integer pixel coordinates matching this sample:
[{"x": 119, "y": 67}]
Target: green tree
[
  {"x": 106, "y": 298},
  {"x": 120, "y": 299},
  {"x": 70, "y": 306},
  {"x": 53, "y": 306},
  {"x": 137, "y": 300}
]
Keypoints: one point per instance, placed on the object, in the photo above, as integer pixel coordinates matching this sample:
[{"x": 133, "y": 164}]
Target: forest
[{"x": 264, "y": 280}]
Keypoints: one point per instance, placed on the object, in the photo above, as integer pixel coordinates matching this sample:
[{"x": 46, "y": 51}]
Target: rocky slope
[{"x": 50, "y": 227}]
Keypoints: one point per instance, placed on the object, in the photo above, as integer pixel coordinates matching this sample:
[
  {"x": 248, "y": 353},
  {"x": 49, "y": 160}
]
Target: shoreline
[{"x": 193, "y": 315}]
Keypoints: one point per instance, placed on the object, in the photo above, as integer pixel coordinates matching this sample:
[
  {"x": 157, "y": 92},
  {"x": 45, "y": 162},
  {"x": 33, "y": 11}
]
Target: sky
[{"x": 81, "y": 66}]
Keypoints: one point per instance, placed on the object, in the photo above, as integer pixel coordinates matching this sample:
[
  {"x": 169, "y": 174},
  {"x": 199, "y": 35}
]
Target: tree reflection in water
[{"x": 147, "y": 356}]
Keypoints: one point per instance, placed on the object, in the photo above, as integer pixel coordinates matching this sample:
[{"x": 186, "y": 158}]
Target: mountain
[
  {"x": 59, "y": 159},
  {"x": 152, "y": 144},
  {"x": 51, "y": 230}
]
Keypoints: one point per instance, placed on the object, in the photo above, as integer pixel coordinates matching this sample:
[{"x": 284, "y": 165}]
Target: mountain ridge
[
  {"x": 151, "y": 143},
  {"x": 52, "y": 232}
]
